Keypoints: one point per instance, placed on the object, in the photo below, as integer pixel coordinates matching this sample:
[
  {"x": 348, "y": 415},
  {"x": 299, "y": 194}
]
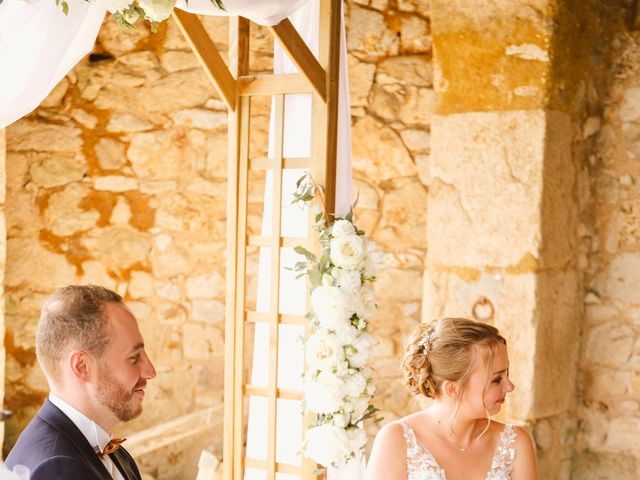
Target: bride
[{"x": 463, "y": 366}]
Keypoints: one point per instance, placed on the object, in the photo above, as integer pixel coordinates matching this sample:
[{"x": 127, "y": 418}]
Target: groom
[{"x": 91, "y": 350}]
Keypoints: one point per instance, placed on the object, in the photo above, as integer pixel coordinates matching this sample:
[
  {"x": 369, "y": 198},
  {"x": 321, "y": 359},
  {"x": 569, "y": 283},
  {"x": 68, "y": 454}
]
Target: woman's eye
[{"x": 497, "y": 380}]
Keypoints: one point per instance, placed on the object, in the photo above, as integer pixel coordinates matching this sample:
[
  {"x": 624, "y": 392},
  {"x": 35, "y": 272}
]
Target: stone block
[
  {"x": 64, "y": 215},
  {"x": 200, "y": 118},
  {"x": 622, "y": 435},
  {"x": 417, "y": 141},
  {"x": 368, "y": 36},
  {"x": 54, "y": 171},
  {"x": 121, "y": 213},
  {"x": 621, "y": 278},
  {"x": 115, "y": 183},
  {"x": 120, "y": 246},
  {"x": 201, "y": 341},
  {"x": 32, "y": 135},
  {"x": 140, "y": 285},
  {"x": 95, "y": 273},
  {"x": 177, "y": 60},
  {"x": 414, "y": 35},
  {"x": 402, "y": 225},
  {"x": 609, "y": 343},
  {"x": 378, "y": 151},
  {"x": 589, "y": 465},
  {"x": 488, "y": 175},
  {"x": 156, "y": 156},
  {"x": 29, "y": 263},
  {"x": 208, "y": 311},
  {"x": 360, "y": 81},
  {"x": 110, "y": 153},
  {"x": 126, "y": 122},
  {"x": 210, "y": 285}
]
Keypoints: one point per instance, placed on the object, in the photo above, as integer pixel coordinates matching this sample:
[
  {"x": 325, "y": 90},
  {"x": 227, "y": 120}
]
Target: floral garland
[
  {"x": 338, "y": 383},
  {"x": 128, "y": 12}
]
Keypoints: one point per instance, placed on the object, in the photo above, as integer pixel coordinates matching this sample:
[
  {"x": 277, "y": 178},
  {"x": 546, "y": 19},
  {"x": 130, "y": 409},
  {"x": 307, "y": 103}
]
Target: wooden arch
[{"x": 318, "y": 76}]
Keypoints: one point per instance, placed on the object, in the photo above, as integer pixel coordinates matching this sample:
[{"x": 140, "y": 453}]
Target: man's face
[{"x": 124, "y": 367}]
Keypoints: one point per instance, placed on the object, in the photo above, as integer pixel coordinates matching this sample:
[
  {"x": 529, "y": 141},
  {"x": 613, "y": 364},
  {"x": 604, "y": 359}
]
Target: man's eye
[{"x": 134, "y": 359}]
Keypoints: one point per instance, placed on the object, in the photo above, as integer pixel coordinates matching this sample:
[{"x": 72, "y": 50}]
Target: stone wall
[
  {"x": 392, "y": 98},
  {"x": 609, "y": 394},
  {"x": 118, "y": 180}
]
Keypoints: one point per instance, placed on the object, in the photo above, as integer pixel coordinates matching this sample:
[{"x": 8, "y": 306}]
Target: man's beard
[{"x": 116, "y": 397}]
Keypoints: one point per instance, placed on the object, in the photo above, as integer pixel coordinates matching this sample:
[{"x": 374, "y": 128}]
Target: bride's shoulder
[{"x": 522, "y": 437}]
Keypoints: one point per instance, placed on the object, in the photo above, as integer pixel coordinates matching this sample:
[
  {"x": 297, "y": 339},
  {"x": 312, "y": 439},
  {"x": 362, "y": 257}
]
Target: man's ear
[
  {"x": 450, "y": 389},
  {"x": 81, "y": 364}
]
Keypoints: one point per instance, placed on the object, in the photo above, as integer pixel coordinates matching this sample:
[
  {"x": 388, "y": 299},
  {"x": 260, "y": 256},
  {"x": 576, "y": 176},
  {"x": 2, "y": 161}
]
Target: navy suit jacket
[{"x": 54, "y": 448}]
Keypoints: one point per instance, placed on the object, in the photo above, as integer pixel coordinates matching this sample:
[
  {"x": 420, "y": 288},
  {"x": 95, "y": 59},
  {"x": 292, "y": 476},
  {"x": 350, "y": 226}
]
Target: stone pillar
[
  {"x": 502, "y": 204},
  {"x": 3, "y": 256}
]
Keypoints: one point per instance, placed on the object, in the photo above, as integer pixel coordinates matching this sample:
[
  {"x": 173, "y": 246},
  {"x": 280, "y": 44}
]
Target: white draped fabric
[{"x": 39, "y": 45}]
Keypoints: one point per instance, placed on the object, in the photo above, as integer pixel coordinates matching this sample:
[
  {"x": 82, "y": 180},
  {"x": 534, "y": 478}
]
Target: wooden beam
[
  {"x": 251, "y": 85},
  {"x": 301, "y": 56},
  {"x": 208, "y": 55}
]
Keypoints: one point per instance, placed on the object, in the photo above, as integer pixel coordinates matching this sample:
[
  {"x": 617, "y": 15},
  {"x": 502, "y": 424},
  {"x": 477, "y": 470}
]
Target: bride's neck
[{"x": 463, "y": 431}]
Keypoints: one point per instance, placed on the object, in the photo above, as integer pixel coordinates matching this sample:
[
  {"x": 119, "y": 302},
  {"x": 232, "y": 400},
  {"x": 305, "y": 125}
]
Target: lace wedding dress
[{"x": 421, "y": 465}]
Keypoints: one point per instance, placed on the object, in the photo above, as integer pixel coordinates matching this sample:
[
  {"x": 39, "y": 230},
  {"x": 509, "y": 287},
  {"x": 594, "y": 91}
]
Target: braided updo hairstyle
[{"x": 445, "y": 350}]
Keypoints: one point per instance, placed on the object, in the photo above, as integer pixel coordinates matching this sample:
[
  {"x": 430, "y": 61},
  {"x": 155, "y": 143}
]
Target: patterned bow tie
[{"x": 112, "y": 446}]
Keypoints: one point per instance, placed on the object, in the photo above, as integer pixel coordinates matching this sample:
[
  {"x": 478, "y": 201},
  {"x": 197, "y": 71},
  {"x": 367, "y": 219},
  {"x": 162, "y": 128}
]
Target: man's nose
[{"x": 148, "y": 371}]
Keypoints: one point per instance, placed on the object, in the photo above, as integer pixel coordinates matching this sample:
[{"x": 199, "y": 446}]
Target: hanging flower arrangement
[{"x": 338, "y": 382}]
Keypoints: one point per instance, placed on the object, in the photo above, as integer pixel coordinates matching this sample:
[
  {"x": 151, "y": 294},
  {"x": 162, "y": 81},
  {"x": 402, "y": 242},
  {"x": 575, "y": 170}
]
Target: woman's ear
[
  {"x": 80, "y": 364},
  {"x": 450, "y": 389}
]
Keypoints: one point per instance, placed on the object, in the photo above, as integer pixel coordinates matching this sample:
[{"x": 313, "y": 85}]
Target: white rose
[
  {"x": 325, "y": 351},
  {"x": 357, "y": 439},
  {"x": 116, "y": 5},
  {"x": 374, "y": 258},
  {"x": 341, "y": 228},
  {"x": 325, "y": 393},
  {"x": 363, "y": 344},
  {"x": 341, "y": 420},
  {"x": 359, "y": 405},
  {"x": 327, "y": 444},
  {"x": 157, "y": 10},
  {"x": 365, "y": 302},
  {"x": 347, "y": 251},
  {"x": 355, "y": 384},
  {"x": 332, "y": 307},
  {"x": 348, "y": 280}
]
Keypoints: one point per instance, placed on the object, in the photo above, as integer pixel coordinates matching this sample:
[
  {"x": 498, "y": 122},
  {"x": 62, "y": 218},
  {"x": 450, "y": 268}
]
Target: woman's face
[{"x": 476, "y": 401}]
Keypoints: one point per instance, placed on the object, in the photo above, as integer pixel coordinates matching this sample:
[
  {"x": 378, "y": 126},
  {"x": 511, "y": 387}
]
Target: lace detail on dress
[
  {"x": 502, "y": 463},
  {"x": 421, "y": 465}
]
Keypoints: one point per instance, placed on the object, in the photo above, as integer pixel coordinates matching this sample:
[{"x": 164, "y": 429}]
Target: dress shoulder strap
[
  {"x": 506, "y": 451},
  {"x": 413, "y": 449}
]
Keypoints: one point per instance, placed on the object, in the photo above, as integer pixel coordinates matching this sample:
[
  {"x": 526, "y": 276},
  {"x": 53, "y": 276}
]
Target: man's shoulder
[{"x": 41, "y": 443}]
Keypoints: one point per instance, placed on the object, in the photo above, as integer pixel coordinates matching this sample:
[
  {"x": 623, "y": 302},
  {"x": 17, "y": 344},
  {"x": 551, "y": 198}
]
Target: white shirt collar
[{"x": 95, "y": 435}]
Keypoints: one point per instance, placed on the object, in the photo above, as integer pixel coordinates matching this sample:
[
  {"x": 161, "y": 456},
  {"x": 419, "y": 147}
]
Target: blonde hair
[
  {"x": 73, "y": 315},
  {"x": 444, "y": 350}
]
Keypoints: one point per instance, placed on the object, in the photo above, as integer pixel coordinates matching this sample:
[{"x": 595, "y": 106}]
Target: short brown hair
[{"x": 73, "y": 315}]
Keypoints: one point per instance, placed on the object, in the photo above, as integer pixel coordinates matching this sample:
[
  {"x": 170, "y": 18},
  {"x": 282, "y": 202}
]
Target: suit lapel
[
  {"x": 57, "y": 419},
  {"x": 121, "y": 459}
]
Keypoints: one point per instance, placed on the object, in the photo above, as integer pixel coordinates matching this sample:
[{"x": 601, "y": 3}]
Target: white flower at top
[
  {"x": 157, "y": 10},
  {"x": 349, "y": 280},
  {"x": 341, "y": 228}
]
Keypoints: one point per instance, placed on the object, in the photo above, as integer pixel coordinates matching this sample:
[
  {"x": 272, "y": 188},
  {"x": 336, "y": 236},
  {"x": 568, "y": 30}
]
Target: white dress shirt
[{"x": 94, "y": 434}]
